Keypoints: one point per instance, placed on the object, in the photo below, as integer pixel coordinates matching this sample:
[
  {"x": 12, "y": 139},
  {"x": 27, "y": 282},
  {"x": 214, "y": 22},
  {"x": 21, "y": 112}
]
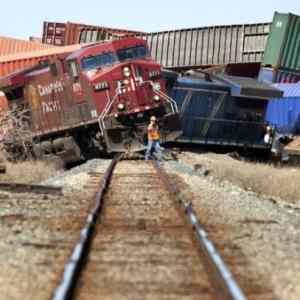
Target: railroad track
[
  {"x": 38, "y": 227},
  {"x": 142, "y": 240}
]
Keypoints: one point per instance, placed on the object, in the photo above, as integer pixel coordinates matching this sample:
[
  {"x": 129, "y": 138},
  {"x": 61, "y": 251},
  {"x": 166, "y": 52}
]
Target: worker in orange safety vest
[{"x": 153, "y": 139}]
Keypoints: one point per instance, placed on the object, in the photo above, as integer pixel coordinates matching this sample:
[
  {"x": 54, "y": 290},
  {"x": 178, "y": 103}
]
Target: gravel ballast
[
  {"x": 264, "y": 231},
  {"x": 38, "y": 233},
  {"x": 258, "y": 235}
]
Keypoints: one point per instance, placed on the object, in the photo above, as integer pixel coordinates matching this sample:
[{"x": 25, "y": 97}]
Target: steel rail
[
  {"x": 222, "y": 279},
  {"x": 65, "y": 289}
]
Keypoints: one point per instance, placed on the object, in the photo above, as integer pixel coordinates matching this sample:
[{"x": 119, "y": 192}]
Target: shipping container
[
  {"x": 284, "y": 112},
  {"x": 283, "y": 45},
  {"x": 278, "y": 76},
  {"x": 16, "y": 62},
  {"x": 223, "y": 110},
  {"x": 9, "y": 46},
  {"x": 62, "y": 34},
  {"x": 205, "y": 46}
]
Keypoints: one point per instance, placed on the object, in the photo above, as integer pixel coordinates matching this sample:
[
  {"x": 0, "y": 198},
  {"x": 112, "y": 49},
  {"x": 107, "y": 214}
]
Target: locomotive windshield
[
  {"x": 98, "y": 61},
  {"x": 132, "y": 53}
]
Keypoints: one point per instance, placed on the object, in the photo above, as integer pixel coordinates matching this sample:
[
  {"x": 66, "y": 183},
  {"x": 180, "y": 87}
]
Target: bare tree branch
[{"x": 16, "y": 137}]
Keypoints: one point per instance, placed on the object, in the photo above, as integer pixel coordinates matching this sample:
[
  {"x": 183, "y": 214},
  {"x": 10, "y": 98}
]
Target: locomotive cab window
[
  {"x": 73, "y": 69},
  {"x": 98, "y": 61},
  {"x": 133, "y": 53}
]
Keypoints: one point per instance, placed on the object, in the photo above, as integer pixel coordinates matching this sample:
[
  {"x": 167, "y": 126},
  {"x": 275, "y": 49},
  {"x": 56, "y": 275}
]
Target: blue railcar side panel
[
  {"x": 284, "y": 112},
  {"x": 211, "y": 115}
]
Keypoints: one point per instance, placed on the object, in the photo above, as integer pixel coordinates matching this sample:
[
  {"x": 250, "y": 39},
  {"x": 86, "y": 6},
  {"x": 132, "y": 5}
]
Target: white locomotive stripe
[{"x": 132, "y": 84}]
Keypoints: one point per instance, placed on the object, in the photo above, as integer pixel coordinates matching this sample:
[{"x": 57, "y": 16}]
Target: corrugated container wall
[
  {"x": 204, "y": 46},
  {"x": 62, "y": 34},
  {"x": 283, "y": 45},
  {"x": 284, "y": 113},
  {"x": 11, "y": 46},
  {"x": 12, "y": 63},
  {"x": 209, "y": 45}
]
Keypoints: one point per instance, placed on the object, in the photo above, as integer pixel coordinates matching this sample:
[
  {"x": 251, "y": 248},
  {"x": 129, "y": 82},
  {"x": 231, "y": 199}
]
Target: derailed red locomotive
[{"x": 98, "y": 98}]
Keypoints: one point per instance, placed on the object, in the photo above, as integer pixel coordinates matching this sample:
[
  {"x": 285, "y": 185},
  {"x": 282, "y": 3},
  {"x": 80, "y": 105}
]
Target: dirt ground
[
  {"x": 28, "y": 171},
  {"x": 262, "y": 178}
]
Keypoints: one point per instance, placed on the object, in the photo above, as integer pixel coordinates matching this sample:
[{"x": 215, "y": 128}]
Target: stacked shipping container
[
  {"x": 237, "y": 45},
  {"x": 284, "y": 112},
  {"x": 15, "y": 62},
  {"x": 281, "y": 62},
  {"x": 62, "y": 34},
  {"x": 13, "y": 46},
  {"x": 204, "y": 46}
]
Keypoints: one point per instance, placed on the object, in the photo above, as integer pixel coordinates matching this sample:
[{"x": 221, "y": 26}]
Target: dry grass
[
  {"x": 261, "y": 178},
  {"x": 27, "y": 171}
]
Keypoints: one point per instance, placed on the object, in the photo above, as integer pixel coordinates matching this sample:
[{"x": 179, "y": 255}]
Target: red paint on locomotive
[{"x": 102, "y": 94}]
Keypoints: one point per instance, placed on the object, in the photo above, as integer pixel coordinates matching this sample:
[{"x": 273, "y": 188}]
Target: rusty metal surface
[
  {"x": 62, "y": 34},
  {"x": 19, "y": 61}
]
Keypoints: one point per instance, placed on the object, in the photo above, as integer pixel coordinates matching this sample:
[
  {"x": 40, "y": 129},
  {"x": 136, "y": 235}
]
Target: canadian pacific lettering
[
  {"x": 51, "y": 106},
  {"x": 56, "y": 87}
]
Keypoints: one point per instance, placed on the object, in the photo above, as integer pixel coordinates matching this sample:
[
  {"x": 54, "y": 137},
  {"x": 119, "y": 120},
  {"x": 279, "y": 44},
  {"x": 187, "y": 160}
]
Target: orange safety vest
[{"x": 153, "y": 133}]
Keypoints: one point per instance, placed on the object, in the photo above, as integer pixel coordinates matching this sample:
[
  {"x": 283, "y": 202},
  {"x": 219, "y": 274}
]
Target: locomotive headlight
[
  {"x": 156, "y": 98},
  {"x": 156, "y": 86},
  {"x": 121, "y": 106},
  {"x": 126, "y": 71}
]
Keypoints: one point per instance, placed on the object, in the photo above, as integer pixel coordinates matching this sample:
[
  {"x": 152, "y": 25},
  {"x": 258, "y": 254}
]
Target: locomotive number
[{"x": 51, "y": 106}]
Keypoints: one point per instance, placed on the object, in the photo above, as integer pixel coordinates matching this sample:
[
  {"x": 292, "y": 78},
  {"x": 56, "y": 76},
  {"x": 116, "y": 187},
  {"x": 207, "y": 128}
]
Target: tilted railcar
[
  {"x": 98, "y": 97},
  {"x": 222, "y": 110}
]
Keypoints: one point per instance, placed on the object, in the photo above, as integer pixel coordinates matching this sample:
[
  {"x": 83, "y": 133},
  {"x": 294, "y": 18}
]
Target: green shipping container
[{"x": 283, "y": 45}]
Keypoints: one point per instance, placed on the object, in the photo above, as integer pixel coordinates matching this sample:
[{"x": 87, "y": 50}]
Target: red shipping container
[{"x": 62, "y": 34}]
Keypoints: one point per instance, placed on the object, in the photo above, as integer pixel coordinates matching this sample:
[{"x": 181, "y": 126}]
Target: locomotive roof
[
  {"x": 93, "y": 49},
  {"x": 19, "y": 78},
  {"x": 237, "y": 86}
]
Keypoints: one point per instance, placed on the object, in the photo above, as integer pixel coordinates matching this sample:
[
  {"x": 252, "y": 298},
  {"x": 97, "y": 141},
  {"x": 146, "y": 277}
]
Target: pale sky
[{"x": 24, "y": 18}]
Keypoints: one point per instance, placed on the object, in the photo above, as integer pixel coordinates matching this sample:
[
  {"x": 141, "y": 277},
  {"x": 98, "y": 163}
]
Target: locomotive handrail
[
  {"x": 106, "y": 110},
  {"x": 166, "y": 97},
  {"x": 118, "y": 92}
]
